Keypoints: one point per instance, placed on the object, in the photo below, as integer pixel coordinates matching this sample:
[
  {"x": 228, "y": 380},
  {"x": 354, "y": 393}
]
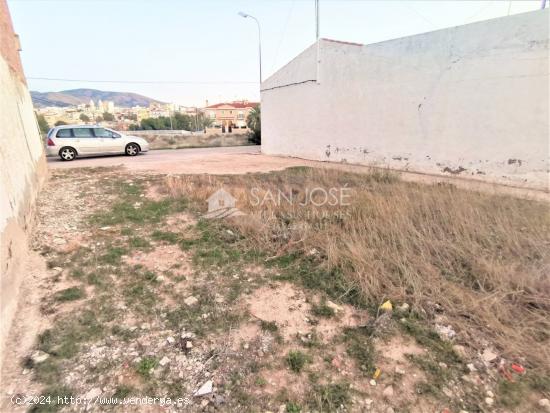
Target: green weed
[{"x": 296, "y": 360}]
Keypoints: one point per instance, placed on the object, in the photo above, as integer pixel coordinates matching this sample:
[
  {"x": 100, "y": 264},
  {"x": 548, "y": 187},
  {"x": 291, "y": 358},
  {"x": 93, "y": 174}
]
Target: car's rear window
[
  {"x": 83, "y": 133},
  {"x": 64, "y": 133}
]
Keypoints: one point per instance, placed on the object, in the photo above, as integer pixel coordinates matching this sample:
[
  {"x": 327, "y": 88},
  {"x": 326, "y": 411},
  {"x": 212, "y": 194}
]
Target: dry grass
[{"x": 482, "y": 260}]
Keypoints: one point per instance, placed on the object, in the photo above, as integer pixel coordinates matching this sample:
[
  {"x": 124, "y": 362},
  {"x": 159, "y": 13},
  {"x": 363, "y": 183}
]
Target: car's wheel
[
  {"x": 132, "y": 149},
  {"x": 67, "y": 154}
]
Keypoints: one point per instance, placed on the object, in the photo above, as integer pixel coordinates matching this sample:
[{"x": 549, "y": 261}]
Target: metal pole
[
  {"x": 318, "y": 63},
  {"x": 543, "y": 4},
  {"x": 317, "y": 19},
  {"x": 259, "y": 46},
  {"x": 245, "y": 15}
]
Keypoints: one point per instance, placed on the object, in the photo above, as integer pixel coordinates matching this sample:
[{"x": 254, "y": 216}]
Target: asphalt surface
[{"x": 219, "y": 160}]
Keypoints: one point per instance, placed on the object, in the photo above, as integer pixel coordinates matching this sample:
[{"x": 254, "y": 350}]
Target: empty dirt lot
[
  {"x": 132, "y": 293},
  {"x": 245, "y": 159}
]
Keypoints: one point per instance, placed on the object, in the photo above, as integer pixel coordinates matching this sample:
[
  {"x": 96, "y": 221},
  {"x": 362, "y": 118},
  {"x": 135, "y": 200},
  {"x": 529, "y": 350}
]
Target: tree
[
  {"x": 200, "y": 121},
  {"x": 109, "y": 117},
  {"x": 60, "y": 122},
  {"x": 42, "y": 123},
  {"x": 179, "y": 121},
  {"x": 254, "y": 123},
  {"x": 84, "y": 117},
  {"x": 99, "y": 119}
]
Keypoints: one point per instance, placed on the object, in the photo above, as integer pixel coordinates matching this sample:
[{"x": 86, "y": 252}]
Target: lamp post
[{"x": 245, "y": 15}]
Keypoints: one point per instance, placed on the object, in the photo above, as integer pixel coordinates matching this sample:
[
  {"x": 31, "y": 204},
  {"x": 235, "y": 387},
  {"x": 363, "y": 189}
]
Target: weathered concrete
[
  {"x": 470, "y": 101},
  {"x": 22, "y": 169}
]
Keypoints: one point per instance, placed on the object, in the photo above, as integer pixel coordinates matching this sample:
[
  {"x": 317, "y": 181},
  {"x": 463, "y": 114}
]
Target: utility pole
[
  {"x": 317, "y": 19},
  {"x": 543, "y": 4},
  {"x": 318, "y": 41}
]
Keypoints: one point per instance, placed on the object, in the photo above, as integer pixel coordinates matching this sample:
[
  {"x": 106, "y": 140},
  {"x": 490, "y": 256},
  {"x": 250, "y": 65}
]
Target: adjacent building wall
[
  {"x": 22, "y": 167},
  {"x": 471, "y": 101}
]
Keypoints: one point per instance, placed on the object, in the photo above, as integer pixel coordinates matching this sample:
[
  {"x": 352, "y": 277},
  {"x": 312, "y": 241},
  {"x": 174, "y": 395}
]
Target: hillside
[{"x": 79, "y": 96}]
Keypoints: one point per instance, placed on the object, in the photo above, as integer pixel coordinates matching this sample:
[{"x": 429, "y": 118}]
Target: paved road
[{"x": 220, "y": 160}]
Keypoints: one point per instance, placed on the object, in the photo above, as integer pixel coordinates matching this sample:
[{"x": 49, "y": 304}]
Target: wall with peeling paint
[{"x": 470, "y": 101}]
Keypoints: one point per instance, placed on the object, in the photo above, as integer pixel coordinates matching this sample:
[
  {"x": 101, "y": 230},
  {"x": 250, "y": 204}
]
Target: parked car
[{"x": 71, "y": 141}]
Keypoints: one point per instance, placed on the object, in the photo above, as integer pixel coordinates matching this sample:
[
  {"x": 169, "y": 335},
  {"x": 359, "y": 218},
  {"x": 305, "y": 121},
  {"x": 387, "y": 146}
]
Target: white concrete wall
[
  {"x": 470, "y": 101},
  {"x": 22, "y": 169}
]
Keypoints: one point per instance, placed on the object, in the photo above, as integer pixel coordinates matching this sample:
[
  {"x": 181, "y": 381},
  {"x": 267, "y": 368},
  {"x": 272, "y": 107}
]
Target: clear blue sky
[{"x": 205, "y": 40}]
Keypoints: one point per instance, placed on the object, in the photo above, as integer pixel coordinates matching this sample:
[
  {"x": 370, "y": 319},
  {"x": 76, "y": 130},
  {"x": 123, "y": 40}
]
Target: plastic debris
[
  {"x": 205, "y": 389},
  {"x": 387, "y": 306},
  {"x": 518, "y": 368}
]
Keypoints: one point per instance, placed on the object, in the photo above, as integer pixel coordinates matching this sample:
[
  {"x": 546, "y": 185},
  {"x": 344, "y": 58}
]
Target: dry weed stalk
[{"x": 483, "y": 258}]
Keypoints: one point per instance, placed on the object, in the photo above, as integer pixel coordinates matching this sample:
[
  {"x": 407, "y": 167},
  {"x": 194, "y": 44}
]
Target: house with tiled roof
[{"x": 230, "y": 114}]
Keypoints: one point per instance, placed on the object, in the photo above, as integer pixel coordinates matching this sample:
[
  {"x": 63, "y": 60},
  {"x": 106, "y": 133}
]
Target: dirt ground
[
  {"x": 244, "y": 159},
  {"x": 118, "y": 306}
]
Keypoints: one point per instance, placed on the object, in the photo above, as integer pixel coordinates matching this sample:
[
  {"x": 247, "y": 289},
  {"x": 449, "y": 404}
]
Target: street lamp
[{"x": 245, "y": 15}]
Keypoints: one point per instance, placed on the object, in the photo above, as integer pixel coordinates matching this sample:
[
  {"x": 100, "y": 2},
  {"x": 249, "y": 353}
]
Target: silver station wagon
[{"x": 71, "y": 141}]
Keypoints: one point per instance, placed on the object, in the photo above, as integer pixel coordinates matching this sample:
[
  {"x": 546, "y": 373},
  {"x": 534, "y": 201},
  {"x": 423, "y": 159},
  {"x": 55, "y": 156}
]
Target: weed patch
[
  {"x": 270, "y": 326},
  {"x": 70, "y": 294},
  {"x": 145, "y": 365},
  {"x": 419, "y": 243},
  {"x": 322, "y": 310},
  {"x": 54, "y": 398},
  {"x": 64, "y": 339},
  {"x": 296, "y": 360},
  {"x": 329, "y": 397},
  {"x": 166, "y": 236},
  {"x": 360, "y": 347},
  {"x": 134, "y": 211}
]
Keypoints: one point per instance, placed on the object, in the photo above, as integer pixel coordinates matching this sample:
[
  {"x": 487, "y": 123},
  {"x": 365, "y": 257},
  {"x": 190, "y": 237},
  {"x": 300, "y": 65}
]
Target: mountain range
[{"x": 75, "y": 97}]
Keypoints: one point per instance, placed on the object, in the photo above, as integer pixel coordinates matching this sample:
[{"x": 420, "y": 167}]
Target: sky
[{"x": 196, "y": 50}]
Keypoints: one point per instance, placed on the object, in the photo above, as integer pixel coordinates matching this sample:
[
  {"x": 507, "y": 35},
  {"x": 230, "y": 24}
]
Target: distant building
[{"x": 230, "y": 114}]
